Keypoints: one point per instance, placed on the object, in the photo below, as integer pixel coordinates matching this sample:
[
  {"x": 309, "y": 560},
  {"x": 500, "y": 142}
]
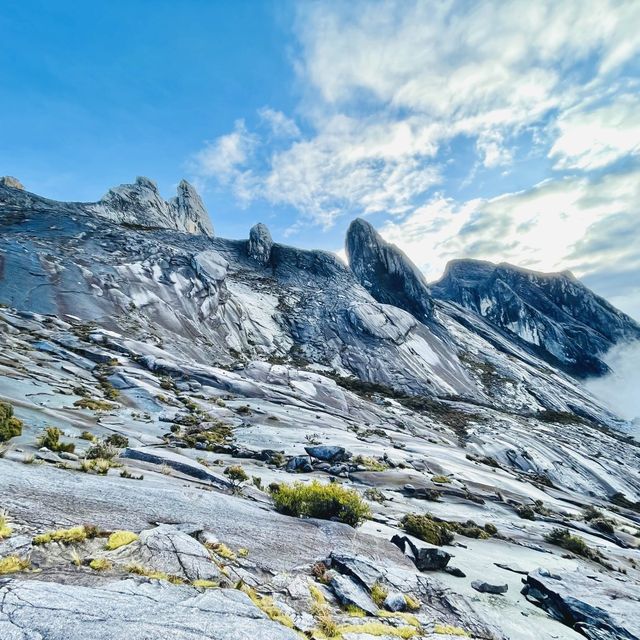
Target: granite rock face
[
  {"x": 551, "y": 314},
  {"x": 11, "y": 182},
  {"x": 141, "y": 204},
  {"x": 599, "y": 607},
  {"x": 386, "y": 272},
  {"x": 127, "y": 609}
]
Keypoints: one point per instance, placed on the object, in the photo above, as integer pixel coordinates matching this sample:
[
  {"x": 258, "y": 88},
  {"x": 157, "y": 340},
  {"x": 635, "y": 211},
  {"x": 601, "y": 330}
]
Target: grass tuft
[
  {"x": 119, "y": 539},
  {"x": 13, "y": 564}
]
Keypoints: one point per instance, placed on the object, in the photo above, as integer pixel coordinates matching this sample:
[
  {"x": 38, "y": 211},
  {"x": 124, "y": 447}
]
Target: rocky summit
[{"x": 205, "y": 438}]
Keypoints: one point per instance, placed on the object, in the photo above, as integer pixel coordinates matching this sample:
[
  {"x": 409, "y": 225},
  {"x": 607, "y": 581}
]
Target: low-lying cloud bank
[{"x": 620, "y": 390}]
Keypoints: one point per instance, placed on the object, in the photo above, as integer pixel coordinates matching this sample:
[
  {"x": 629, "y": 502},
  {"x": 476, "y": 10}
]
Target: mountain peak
[
  {"x": 140, "y": 203},
  {"x": 385, "y": 271}
]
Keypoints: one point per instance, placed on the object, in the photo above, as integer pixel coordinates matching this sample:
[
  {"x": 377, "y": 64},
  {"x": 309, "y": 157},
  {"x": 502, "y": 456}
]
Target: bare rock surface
[{"x": 127, "y": 609}]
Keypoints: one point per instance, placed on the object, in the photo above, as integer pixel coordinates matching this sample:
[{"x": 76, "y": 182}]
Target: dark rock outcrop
[
  {"x": 425, "y": 558},
  {"x": 600, "y": 608},
  {"x": 260, "y": 244},
  {"x": 328, "y": 453},
  {"x": 486, "y": 587},
  {"x": 552, "y": 314},
  {"x": 386, "y": 272}
]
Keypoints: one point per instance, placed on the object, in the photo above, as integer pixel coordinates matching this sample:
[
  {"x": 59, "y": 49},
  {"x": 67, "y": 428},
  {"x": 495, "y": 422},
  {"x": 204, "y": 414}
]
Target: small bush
[
  {"x": 563, "y": 538},
  {"x": 51, "y": 440},
  {"x": 117, "y": 440},
  {"x": 441, "y": 479},
  {"x": 13, "y": 564},
  {"x": 5, "y": 529},
  {"x": 100, "y": 564},
  {"x": 237, "y": 475},
  {"x": 10, "y": 426},
  {"x": 65, "y": 536},
  {"x": 370, "y": 464},
  {"x": 325, "y": 501},
  {"x": 427, "y": 529},
  {"x": 87, "y": 435},
  {"x": 491, "y": 529},
  {"x": 525, "y": 512},
  {"x": 603, "y": 525},
  {"x": 93, "y": 405},
  {"x": 102, "y": 450},
  {"x": 119, "y": 539},
  {"x": 379, "y": 593}
]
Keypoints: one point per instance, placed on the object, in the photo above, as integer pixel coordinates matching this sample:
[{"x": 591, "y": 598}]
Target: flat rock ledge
[{"x": 128, "y": 609}]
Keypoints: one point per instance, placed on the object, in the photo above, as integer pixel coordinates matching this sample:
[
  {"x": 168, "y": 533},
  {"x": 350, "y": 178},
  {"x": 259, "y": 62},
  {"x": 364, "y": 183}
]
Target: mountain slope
[
  {"x": 553, "y": 314},
  {"x": 167, "y": 359}
]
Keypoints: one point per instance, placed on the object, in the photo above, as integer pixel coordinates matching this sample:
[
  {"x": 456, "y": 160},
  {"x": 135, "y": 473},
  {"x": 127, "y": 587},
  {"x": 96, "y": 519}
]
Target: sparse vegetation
[
  {"x": 571, "y": 542},
  {"x": 10, "y": 426},
  {"x": 13, "y": 564},
  {"x": 102, "y": 450},
  {"x": 139, "y": 570},
  {"x": 93, "y": 404},
  {"x": 267, "y": 605},
  {"x": 441, "y": 479},
  {"x": 378, "y": 593},
  {"x": 51, "y": 440},
  {"x": 237, "y": 475},
  {"x": 375, "y": 495},
  {"x": 120, "y": 539},
  {"x": 427, "y": 529},
  {"x": 5, "y": 529},
  {"x": 317, "y": 500},
  {"x": 100, "y": 564},
  {"x": 66, "y": 536},
  {"x": 370, "y": 464},
  {"x": 117, "y": 440},
  {"x": 449, "y": 630}
]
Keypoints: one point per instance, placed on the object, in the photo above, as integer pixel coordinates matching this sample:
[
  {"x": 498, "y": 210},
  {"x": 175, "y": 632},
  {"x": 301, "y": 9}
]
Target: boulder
[
  {"x": 395, "y": 601},
  {"x": 485, "y": 587},
  {"x": 166, "y": 548},
  {"x": 299, "y": 464},
  {"x": 328, "y": 453},
  {"x": 425, "y": 558},
  {"x": 349, "y": 593}
]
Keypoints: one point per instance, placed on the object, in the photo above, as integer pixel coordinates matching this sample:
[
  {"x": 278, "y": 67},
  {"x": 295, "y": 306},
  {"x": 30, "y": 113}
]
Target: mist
[{"x": 620, "y": 390}]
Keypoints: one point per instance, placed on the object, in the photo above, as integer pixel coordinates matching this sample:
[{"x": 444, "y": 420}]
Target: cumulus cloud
[
  {"x": 619, "y": 389},
  {"x": 594, "y": 138},
  {"x": 386, "y": 84},
  {"x": 588, "y": 225}
]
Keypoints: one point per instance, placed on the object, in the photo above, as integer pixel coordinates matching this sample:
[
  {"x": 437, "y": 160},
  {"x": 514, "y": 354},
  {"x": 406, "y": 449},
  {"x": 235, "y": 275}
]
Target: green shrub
[
  {"x": 563, "y": 538},
  {"x": 51, "y": 440},
  {"x": 316, "y": 500},
  {"x": 102, "y": 451},
  {"x": 525, "y": 512},
  {"x": 66, "y": 536},
  {"x": 10, "y": 426},
  {"x": 117, "y": 440},
  {"x": 237, "y": 475},
  {"x": 94, "y": 405},
  {"x": 427, "y": 529}
]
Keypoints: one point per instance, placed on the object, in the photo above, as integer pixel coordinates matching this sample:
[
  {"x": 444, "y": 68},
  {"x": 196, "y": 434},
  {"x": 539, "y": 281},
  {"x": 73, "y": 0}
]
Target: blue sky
[{"x": 503, "y": 130}]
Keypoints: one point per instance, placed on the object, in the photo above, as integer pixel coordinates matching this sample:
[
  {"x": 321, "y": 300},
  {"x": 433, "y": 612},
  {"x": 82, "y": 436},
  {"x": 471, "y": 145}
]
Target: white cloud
[
  {"x": 619, "y": 389},
  {"x": 589, "y": 226},
  {"x": 279, "y": 123},
  {"x": 386, "y": 84},
  {"x": 595, "y": 138},
  {"x": 226, "y": 156}
]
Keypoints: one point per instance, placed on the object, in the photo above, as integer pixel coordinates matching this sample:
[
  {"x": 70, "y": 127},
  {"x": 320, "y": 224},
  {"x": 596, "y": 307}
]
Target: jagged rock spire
[
  {"x": 386, "y": 272},
  {"x": 141, "y": 203},
  {"x": 260, "y": 243}
]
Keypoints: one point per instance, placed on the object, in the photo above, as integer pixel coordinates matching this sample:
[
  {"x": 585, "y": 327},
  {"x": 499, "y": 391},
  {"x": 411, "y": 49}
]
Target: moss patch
[{"x": 119, "y": 539}]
